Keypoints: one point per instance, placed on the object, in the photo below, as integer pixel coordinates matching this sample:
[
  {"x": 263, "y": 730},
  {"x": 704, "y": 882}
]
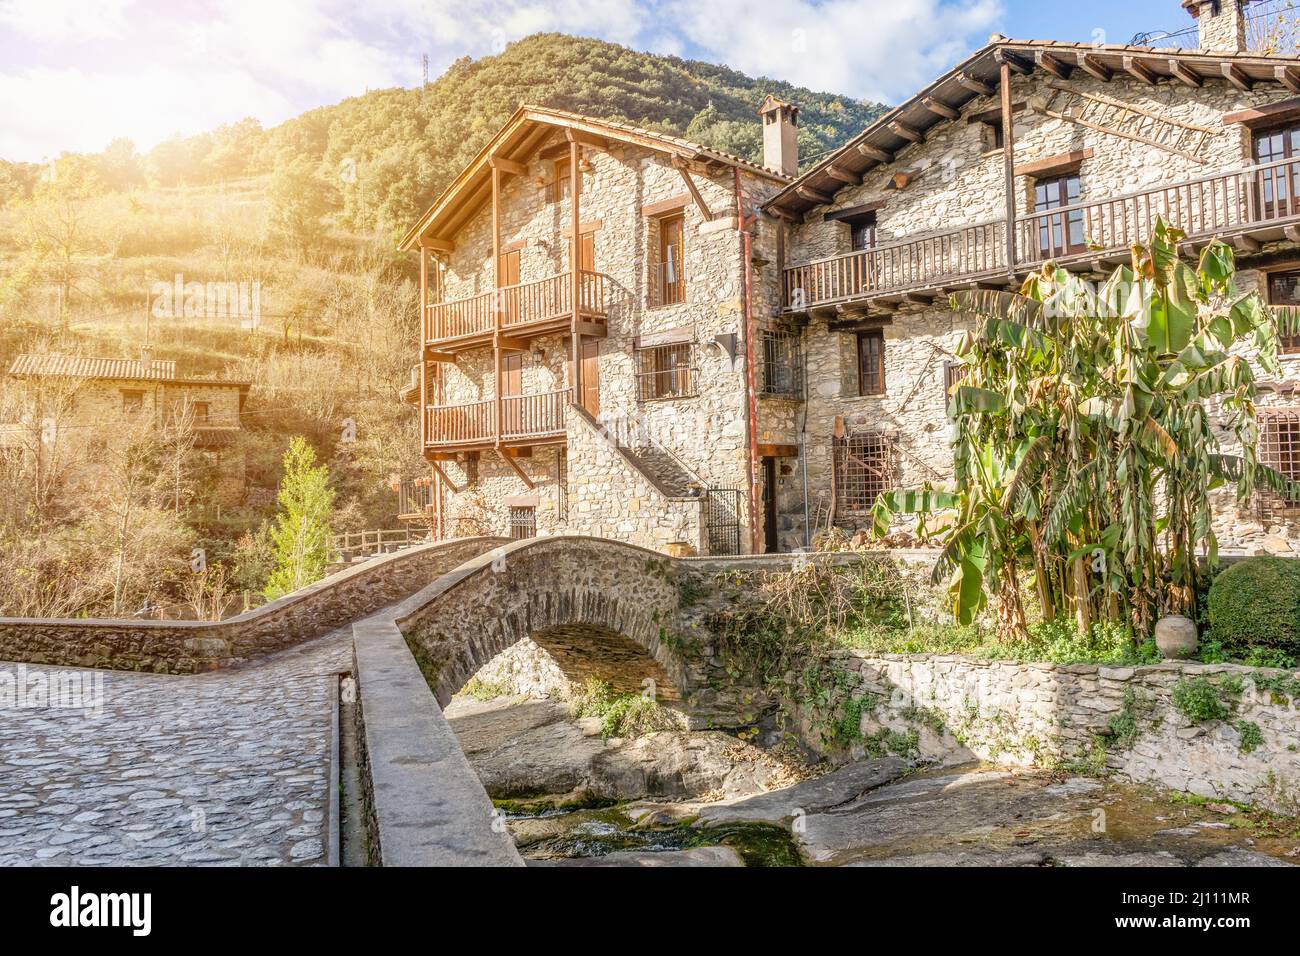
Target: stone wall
[
  {"x": 706, "y": 428},
  {"x": 524, "y": 668},
  {"x": 187, "y": 647},
  {"x": 958, "y": 182},
  {"x": 1061, "y": 715}
]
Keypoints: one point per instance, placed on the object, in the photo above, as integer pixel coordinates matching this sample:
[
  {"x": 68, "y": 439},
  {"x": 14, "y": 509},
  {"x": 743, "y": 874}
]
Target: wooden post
[
  {"x": 1009, "y": 164},
  {"x": 575, "y": 263},
  {"x": 496, "y": 303},
  {"x": 424, "y": 311}
]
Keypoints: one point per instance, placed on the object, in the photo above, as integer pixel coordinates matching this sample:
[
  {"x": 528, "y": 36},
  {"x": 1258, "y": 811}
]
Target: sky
[{"x": 74, "y": 74}]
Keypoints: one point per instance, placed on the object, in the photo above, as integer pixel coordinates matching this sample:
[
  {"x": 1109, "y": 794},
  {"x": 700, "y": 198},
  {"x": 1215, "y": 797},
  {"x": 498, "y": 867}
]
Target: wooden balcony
[
  {"x": 526, "y": 310},
  {"x": 523, "y": 420},
  {"x": 1248, "y": 206}
]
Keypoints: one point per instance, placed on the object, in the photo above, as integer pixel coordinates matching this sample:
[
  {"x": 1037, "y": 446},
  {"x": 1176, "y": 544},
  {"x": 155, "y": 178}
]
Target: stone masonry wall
[
  {"x": 706, "y": 428},
  {"x": 187, "y": 647},
  {"x": 959, "y": 184},
  {"x": 1051, "y": 715}
]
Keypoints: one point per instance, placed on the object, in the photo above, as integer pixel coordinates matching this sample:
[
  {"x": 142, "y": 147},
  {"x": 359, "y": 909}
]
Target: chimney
[
  {"x": 1220, "y": 23},
  {"x": 146, "y": 358},
  {"x": 780, "y": 135}
]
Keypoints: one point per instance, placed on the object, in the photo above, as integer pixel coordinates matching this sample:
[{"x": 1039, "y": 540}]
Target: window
[
  {"x": 782, "y": 363},
  {"x": 1277, "y": 188},
  {"x": 953, "y": 372},
  {"x": 132, "y": 400},
  {"x": 523, "y": 523},
  {"x": 200, "y": 412},
  {"x": 1279, "y": 448},
  {"x": 670, "y": 283},
  {"x": 862, "y": 232},
  {"x": 864, "y": 468},
  {"x": 560, "y": 180},
  {"x": 665, "y": 371},
  {"x": 1284, "y": 294},
  {"x": 871, "y": 362},
  {"x": 1059, "y": 234}
]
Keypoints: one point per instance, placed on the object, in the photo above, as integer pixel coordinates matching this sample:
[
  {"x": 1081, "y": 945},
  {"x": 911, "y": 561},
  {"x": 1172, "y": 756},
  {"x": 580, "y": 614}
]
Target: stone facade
[
  {"x": 580, "y": 486},
  {"x": 957, "y": 181},
  {"x": 1053, "y": 715}
]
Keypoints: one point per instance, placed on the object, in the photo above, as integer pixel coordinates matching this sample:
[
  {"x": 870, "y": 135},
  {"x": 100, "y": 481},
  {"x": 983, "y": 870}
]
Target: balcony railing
[
  {"x": 1256, "y": 196},
  {"x": 519, "y": 305},
  {"x": 522, "y": 417}
]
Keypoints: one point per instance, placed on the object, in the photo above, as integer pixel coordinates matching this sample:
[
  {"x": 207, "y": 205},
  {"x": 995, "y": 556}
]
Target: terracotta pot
[{"x": 1176, "y": 637}]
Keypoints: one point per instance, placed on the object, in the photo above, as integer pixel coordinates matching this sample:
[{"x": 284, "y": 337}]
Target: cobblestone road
[{"x": 228, "y": 768}]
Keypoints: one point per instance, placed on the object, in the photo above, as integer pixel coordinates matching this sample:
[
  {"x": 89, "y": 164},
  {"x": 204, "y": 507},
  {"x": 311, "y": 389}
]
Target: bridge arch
[{"x": 599, "y": 607}]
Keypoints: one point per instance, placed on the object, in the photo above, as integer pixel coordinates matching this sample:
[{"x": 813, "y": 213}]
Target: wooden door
[
  {"x": 512, "y": 383},
  {"x": 771, "y": 542},
  {"x": 587, "y": 252},
  {"x": 591, "y": 376},
  {"x": 508, "y": 278},
  {"x": 672, "y": 284}
]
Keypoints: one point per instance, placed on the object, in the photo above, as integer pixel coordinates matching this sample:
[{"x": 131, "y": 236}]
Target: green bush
[{"x": 1256, "y": 604}]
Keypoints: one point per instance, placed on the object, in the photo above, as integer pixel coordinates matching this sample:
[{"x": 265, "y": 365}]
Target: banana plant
[{"x": 1084, "y": 449}]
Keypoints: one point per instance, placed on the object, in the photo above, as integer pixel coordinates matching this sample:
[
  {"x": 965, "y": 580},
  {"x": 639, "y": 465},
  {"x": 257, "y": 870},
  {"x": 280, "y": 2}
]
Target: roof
[
  {"x": 524, "y": 132},
  {"x": 979, "y": 75},
  {"x": 78, "y": 366}
]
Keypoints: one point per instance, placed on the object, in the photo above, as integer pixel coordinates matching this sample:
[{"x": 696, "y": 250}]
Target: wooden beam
[
  {"x": 431, "y": 356},
  {"x": 844, "y": 176},
  {"x": 1054, "y": 65},
  {"x": 875, "y": 152},
  {"x": 438, "y": 245},
  {"x": 1288, "y": 76},
  {"x": 1247, "y": 244},
  {"x": 940, "y": 108},
  {"x": 575, "y": 274},
  {"x": 1292, "y": 233},
  {"x": 974, "y": 84},
  {"x": 523, "y": 475},
  {"x": 1184, "y": 73},
  {"x": 496, "y": 301},
  {"x": 1139, "y": 70},
  {"x": 583, "y": 138},
  {"x": 650, "y": 210},
  {"x": 705, "y": 211},
  {"x": 1283, "y": 110},
  {"x": 443, "y": 475},
  {"x": 1237, "y": 77},
  {"x": 813, "y": 195},
  {"x": 508, "y": 166},
  {"x": 1055, "y": 165},
  {"x": 1009, "y": 164},
  {"x": 907, "y": 132},
  {"x": 508, "y": 344},
  {"x": 1017, "y": 62},
  {"x": 1094, "y": 67}
]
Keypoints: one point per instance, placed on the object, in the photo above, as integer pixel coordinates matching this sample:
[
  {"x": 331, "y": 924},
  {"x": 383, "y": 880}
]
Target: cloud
[{"x": 75, "y": 74}]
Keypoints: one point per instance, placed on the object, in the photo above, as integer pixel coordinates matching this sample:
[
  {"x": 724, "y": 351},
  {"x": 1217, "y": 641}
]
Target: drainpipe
[
  {"x": 803, "y": 448},
  {"x": 751, "y": 395}
]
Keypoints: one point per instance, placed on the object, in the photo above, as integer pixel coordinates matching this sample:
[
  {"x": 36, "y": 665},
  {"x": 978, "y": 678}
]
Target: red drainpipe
[{"x": 751, "y": 394}]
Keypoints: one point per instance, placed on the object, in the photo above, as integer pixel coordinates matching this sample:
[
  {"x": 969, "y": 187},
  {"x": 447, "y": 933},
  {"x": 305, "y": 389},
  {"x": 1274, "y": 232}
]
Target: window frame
[
  {"x": 132, "y": 400},
  {"x": 1050, "y": 224},
  {"x": 670, "y": 374},
  {"x": 881, "y": 386},
  {"x": 1288, "y": 344},
  {"x": 858, "y": 491},
  {"x": 677, "y": 221},
  {"x": 1281, "y": 455}
]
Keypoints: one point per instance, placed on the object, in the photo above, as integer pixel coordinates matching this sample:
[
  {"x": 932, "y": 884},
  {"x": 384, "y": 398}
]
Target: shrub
[
  {"x": 1256, "y": 604},
  {"x": 621, "y": 715},
  {"x": 1200, "y": 699}
]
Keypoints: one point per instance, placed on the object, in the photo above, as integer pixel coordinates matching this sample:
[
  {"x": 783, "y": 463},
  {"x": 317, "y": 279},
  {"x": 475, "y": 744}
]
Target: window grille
[
  {"x": 782, "y": 370},
  {"x": 523, "y": 523},
  {"x": 864, "y": 468},
  {"x": 665, "y": 371},
  {"x": 1279, "y": 449}
]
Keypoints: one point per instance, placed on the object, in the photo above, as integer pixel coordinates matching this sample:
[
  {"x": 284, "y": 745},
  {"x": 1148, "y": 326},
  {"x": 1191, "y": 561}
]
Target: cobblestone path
[{"x": 227, "y": 768}]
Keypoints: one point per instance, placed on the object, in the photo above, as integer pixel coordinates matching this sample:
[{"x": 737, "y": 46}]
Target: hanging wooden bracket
[
  {"x": 680, "y": 165},
  {"x": 443, "y": 475}
]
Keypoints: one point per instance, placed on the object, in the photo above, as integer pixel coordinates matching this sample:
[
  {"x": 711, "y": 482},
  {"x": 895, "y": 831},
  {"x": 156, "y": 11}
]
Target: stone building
[
  {"x": 761, "y": 355},
  {"x": 1078, "y": 147},
  {"x": 100, "y": 392},
  {"x": 651, "y": 437}
]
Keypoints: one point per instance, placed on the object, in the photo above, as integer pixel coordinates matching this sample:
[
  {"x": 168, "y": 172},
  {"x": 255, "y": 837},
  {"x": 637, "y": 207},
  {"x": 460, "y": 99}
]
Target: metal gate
[{"x": 722, "y": 520}]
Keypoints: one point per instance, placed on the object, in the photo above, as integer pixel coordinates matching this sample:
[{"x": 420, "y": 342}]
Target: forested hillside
[{"x": 307, "y": 212}]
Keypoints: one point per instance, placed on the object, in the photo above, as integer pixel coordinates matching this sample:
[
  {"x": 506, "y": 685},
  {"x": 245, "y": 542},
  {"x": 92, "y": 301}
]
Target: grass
[
  {"x": 621, "y": 715},
  {"x": 1056, "y": 642}
]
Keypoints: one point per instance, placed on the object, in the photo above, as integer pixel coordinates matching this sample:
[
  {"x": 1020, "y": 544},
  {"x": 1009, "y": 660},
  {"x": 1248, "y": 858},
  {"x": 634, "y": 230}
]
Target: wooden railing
[
  {"x": 1221, "y": 203},
  {"x": 534, "y": 416},
  {"x": 414, "y": 497},
  {"x": 544, "y": 299},
  {"x": 458, "y": 424},
  {"x": 361, "y": 544},
  {"x": 522, "y": 416}
]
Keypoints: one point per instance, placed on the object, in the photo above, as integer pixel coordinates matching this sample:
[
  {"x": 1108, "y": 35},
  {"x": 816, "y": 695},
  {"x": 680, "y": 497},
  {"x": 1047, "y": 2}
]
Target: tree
[
  {"x": 302, "y": 526},
  {"x": 299, "y": 202},
  {"x": 1084, "y": 449}
]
